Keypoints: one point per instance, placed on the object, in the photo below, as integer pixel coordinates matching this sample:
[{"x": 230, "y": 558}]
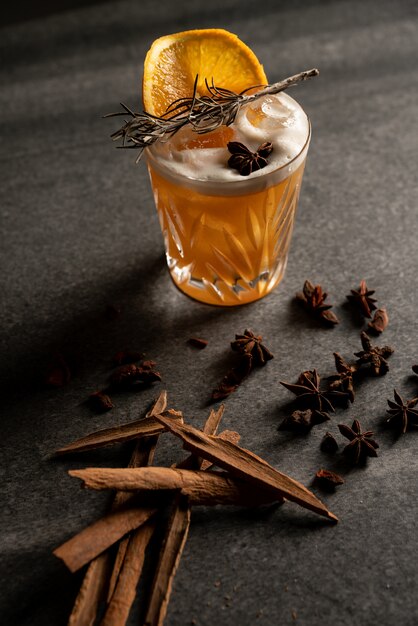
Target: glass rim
[{"x": 230, "y": 184}]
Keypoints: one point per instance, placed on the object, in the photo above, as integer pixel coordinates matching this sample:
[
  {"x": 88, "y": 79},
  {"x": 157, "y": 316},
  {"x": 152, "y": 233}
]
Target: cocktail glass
[{"x": 227, "y": 242}]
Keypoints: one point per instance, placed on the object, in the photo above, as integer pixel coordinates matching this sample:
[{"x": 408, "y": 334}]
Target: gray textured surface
[{"x": 78, "y": 231}]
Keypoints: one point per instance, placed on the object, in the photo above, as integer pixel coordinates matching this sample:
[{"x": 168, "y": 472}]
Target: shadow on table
[
  {"x": 25, "y": 10},
  {"x": 142, "y": 311}
]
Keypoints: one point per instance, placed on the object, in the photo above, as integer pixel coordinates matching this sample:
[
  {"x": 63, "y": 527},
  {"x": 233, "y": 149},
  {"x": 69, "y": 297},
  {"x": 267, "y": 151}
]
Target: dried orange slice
[{"x": 173, "y": 61}]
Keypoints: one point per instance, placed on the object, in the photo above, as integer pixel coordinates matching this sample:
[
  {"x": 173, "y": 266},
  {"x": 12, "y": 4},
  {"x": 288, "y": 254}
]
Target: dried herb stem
[{"x": 203, "y": 113}]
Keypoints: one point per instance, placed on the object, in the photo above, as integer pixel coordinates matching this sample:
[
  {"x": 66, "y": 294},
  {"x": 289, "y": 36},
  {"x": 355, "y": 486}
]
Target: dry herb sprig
[{"x": 203, "y": 113}]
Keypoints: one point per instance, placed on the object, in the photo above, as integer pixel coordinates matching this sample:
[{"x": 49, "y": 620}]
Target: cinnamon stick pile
[{"x": 144, "y": 491}]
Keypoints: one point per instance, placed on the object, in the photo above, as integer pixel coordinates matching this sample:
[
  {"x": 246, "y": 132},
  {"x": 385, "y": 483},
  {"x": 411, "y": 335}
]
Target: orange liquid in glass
[{"x": 226, "y": 250}]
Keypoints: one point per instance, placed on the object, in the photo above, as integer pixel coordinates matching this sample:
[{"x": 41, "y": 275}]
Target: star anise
[
  {"x": 402, "y": 414},
  {"x": 343, "y": 381},
  {"x": 374, "y": 355},
  {"x": 129, "y": 376},
  {"x": 313, "y": 299},
  {"x": 303, "y": 421},
  {"x": 308, "y": 392},
  {"x": 361, "y": 445},
  {"x": 379, "y": 322},
  {"x": 244, "y": 160},
  {"x": 250, "y": 343},
  {"x": 362, "y": 299}
]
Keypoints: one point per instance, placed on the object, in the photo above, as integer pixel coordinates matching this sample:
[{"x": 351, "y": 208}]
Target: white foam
[{"x": 276, "y": 118}]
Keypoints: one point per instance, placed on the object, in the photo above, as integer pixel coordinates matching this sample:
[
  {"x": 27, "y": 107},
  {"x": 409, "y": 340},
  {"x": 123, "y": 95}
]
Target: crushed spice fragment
[
  {"x": 313, "y": 299},
  {"x": 244, "y": 160},
  {"x": 362, "y": 299},
  {"x": 329, "y": 444},
  {"x": 303, "y": 421},
  {"x": 402, "y": 414},
  {"x": 233, "y": 378},
  {"x": 361, "y": 444},
  {"x": 197, "y": 342},
  {"x": 327, "y": 480},
  {"x": 374, "y": 356},
  {"x": 100, "y": 402},
  {"x": 131, "y": 376},
  {"x": 379, "y": 322}
]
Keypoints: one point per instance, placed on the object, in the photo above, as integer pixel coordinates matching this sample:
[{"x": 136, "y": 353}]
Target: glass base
[{"x": 219, "y": 292}]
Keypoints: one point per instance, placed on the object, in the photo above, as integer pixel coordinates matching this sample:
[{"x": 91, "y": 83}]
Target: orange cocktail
[
  {"x": 227, "y": 236},
  {"x": 226, "y": 221}
]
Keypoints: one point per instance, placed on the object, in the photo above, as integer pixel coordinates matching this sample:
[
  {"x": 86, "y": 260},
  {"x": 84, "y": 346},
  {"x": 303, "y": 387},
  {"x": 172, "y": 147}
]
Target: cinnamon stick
[
  {"x": 85, "y": 608},
  {"x": 130, "y": 555},
  {"x": 227, "y": 435},
  {"x": 96, "y": 538},
  {"x": 201, "y": 487},
  {"x": 143, "y": 455},
  {"x": 132, "y": 549},
  {"x": 118, "y": 609},
  {"x": 143, "y": 427},
  {"x": 175, "y": 539},
  {"x": 91, "y": 591},
  {"x": 246, "y": 465}
]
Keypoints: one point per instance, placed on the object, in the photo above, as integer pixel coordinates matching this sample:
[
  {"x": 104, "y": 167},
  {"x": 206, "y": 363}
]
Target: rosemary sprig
[{"x": 203, "y": 113}]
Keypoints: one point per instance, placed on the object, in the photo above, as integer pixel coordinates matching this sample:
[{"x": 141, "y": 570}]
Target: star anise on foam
[
  {"x": 308, "y": 392},
  {"x": 361, "y": 445},
  {"x": 244, "y": 160},
  {"x": 313, "y": 299},
  {"x": 362, "y": 299},
  {"x": 343, "y": 381},
  {"x": 402, "y": 414},
  {"x": 250, "y": 343},
  {"x": 374, "y": 355}
]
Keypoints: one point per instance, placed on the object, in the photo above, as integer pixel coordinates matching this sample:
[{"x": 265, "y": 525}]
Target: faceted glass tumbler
[{"x": 227, "y": 242}]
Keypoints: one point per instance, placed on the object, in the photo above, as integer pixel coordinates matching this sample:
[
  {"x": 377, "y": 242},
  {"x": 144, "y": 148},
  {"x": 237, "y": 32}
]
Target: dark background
[{"x": 79, "y": 232}]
